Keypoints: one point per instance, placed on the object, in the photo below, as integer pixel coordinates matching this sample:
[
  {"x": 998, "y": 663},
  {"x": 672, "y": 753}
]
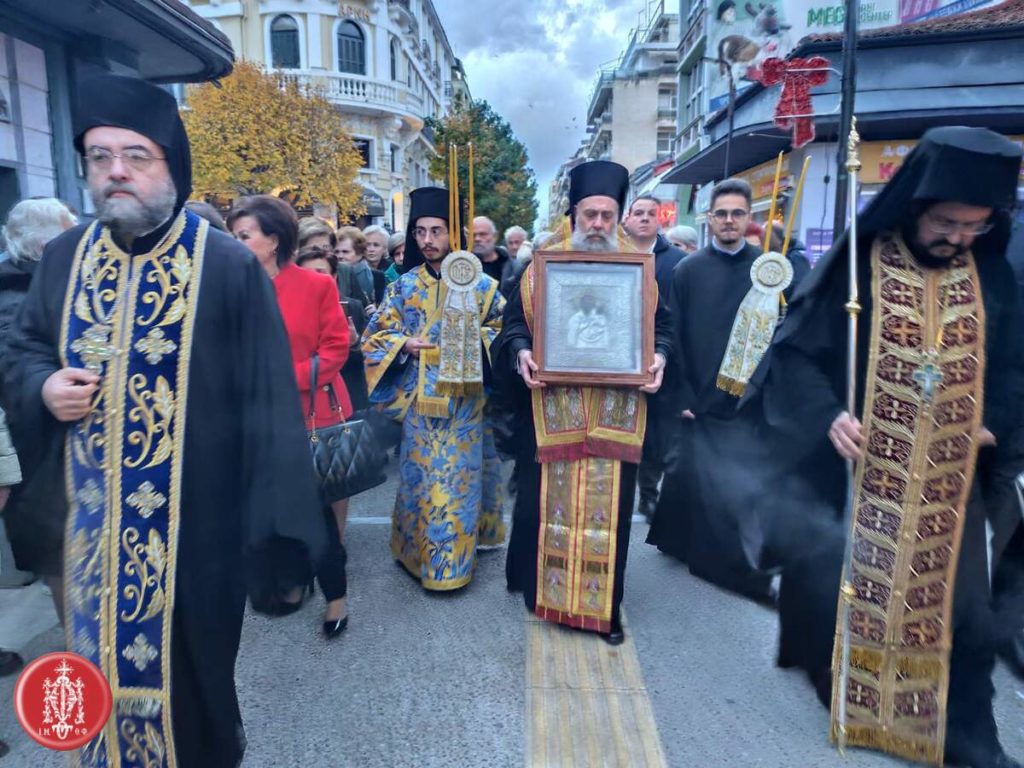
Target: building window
[
  {"x": 666, "y": 99},
  {"x": 408, "y": 72},
  {"x": 395, "y": 161},
  {"x": 664, "y": 144},
  {"x": 351, "y": 49},
  {"x": 394, "y": 59},
  {"x": 365, "y": 148},
  {"x": 284, "y": 43},
  {"x": 695, "y": 93}
]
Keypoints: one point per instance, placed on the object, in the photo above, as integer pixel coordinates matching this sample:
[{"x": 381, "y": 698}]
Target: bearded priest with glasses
[
  {"x": 935, "y": 445},
  {"x": 150, "y": 388},
  {"x": 726, "y": 302}
]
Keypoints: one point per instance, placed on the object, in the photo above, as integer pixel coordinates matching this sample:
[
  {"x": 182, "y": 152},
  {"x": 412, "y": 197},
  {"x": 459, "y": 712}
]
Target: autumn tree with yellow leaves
[{"x": 260, "y": 131}]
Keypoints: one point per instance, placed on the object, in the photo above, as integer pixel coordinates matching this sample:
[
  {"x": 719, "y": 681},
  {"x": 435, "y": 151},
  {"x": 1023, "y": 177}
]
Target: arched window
[
  {"x": 351, "y": 49},
  {"x": 394, "y": 59},
  {"x": 284, "y": 43}
]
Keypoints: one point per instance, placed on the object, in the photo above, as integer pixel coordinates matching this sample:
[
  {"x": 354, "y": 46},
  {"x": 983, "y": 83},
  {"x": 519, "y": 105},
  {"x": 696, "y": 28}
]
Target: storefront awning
[
  {"x": 372, "y": 202},
  {"x": 756, "y": 144},
  {"x": 750, "y": 147}
]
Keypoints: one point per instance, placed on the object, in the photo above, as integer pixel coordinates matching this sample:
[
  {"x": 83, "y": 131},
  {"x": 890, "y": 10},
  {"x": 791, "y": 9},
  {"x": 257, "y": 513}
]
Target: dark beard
[{"x": 923, "y": 256}]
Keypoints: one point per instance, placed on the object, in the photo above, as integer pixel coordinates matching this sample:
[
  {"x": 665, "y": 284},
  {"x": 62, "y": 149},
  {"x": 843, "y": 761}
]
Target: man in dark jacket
[
  {"x": 661, "y": 440},
  {"x": 491, "y": 255}
]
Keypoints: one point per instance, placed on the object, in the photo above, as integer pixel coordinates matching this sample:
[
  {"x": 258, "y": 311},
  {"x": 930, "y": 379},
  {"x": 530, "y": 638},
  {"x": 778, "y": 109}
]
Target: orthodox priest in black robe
[
  {"x": 939, "y": 377},
  {"x": 151, "y": 354},
  {"x": 725, "y": 306},
  {"x": 575, "y": 463}
]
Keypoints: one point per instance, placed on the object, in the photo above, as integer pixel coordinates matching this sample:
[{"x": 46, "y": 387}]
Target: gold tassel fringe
[
  {"x": 912, "y": 668},
  {"x": 867, "y": 659},
  {"x": 435, "y": 407},
  {"x": 730, "y": 385},
  {"x": 873, "y": 737},
  {"x": 459, "y": 389}
]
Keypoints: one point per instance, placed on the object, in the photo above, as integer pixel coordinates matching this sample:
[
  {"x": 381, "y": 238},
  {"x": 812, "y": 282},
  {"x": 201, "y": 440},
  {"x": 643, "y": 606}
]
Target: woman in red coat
[{"x": 316, "y": 325}]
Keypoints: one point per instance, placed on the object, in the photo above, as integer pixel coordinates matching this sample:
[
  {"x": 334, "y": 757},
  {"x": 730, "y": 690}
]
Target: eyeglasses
[
  {"x": 136, "y": 159},
  {"x": 947, "y": 227},
  {"x": 422, "y": 232},
  {"x": 736, "y": 213}
]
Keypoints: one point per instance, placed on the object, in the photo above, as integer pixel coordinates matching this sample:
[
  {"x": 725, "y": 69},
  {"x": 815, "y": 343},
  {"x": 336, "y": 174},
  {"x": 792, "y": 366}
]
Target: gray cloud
[{"x": 535, "y": 61}]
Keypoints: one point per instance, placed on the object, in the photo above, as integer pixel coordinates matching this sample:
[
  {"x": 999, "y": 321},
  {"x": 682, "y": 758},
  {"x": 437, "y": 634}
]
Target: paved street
[{"x": 468, "y": 679}]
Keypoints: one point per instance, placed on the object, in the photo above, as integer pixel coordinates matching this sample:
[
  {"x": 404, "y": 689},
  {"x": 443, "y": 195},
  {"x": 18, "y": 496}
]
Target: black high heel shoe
[{"x": 334, "y": 628}]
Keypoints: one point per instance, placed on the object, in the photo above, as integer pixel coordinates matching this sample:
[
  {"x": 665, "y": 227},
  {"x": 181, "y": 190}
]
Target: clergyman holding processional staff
[{"x": 927, "y": 411}]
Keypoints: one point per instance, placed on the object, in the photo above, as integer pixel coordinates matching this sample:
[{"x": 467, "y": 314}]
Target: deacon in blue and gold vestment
[
  {"x": 426, "y": 352},
  {"x": 192, "y": 456}
]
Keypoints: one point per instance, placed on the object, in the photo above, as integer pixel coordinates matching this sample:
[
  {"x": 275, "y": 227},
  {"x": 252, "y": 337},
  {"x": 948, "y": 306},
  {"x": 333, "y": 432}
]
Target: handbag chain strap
[{"x": 332, "y": 398}]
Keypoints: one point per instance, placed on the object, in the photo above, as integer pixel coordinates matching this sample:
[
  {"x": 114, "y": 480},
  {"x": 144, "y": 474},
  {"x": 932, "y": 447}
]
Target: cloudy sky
[{"x": 535, "y": 61}]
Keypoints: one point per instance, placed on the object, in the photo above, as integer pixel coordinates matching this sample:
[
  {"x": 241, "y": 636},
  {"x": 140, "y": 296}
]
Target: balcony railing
[
  {"x": 688, "y": 136},
  {"x": 349, "y": 89}
]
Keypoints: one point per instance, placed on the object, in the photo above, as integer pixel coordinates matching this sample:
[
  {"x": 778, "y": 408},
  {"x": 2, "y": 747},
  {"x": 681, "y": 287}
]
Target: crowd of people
[{"x": 165, "y": 370}]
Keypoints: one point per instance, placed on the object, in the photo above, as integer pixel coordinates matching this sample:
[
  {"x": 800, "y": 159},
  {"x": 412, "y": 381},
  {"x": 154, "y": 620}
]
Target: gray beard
[
  {"x": 581, "y": 241},
  {"x": 130, "y": 217}
]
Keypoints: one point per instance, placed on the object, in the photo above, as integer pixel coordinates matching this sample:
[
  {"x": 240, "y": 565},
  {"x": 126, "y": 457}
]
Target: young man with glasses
[
  {"x": 425, "y": 353},
  {"x": 935, "y": 445},
  {"x": 705, "y": 514}
]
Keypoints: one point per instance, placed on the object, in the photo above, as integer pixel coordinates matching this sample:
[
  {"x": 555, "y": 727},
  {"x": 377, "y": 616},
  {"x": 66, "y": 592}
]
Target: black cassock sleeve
[
  {"x": 664, "y": 337},
  {"x": 514, "y": 337},
  {"x": 284, "y": 531},
  {"x": 686, "y": 396}
]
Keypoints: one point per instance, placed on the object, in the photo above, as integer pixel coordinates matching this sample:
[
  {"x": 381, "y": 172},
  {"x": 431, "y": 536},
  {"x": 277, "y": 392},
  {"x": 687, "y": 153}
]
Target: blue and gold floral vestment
[{"x": 439, "y": 512}]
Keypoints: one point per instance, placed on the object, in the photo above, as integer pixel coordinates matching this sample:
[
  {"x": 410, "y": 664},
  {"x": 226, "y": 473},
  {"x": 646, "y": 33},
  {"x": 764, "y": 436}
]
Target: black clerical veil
[
  {"x": 127, "y": 102},
  {"x": 598, "y": 177},
  {"x": 974, "y": 166},
  {"x": 425, "y": 201}
]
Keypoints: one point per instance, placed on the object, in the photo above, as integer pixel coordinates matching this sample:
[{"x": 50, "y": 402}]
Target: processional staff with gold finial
[{"x": 846, "y": 592}]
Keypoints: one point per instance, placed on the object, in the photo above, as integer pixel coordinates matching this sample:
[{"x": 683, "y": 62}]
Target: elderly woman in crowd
[
  {"x": 377, "y": 248},
  {"x": 369, "y": 283},
  {"x": 396, "y": 252},
  {"x": 316, "y": 326},
  {"x": 683, "y": 237},
  {"x": 33, "y": 517}
]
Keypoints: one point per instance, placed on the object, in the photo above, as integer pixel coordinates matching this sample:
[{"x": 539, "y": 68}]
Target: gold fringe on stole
[
  {"x": 867, "y": 659},
  {"x": 432, "y": 406},
  {"x": 913, "y": 668},
  {"x": 870, "y": 737},
  {"x": 730, "y": 385},
  {"x": 463, "y": 389}
]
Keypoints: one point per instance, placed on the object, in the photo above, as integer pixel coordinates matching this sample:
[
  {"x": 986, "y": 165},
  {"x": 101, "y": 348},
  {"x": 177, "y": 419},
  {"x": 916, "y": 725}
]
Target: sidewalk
[{"x": 25, "y": 613}]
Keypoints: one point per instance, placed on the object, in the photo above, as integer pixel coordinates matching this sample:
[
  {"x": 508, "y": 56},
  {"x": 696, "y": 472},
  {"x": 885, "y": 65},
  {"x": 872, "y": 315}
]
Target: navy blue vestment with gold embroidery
[{"x": 193, "y": 456}]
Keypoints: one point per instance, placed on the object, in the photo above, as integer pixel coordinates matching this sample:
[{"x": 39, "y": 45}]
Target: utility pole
[{"x": 849, "y": 95}]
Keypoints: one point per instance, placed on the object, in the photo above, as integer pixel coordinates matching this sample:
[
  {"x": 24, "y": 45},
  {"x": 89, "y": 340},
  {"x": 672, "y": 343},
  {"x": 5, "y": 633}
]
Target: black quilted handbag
[{"x": 347, "y": 457}]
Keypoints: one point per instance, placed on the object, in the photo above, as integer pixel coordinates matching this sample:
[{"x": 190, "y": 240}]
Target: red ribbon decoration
[{"x": 794, "y": 106}]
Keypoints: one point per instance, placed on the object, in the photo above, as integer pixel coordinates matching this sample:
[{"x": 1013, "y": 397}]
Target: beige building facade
[
  {"x": 631, "y": 119},
  {"x": 385, "y": 64}
]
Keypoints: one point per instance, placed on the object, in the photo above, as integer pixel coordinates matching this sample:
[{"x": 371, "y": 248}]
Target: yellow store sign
[{"x": 881, "y": 159}]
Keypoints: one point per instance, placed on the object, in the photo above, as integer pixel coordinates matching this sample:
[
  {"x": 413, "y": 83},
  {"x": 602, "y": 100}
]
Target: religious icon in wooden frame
[{"x": 594, "y": 317}]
